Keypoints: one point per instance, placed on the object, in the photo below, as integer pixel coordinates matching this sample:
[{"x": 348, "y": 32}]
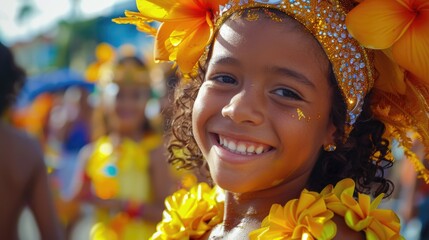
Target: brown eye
[
  {"x": 225, "y": 79},
  {"x": 286, "y": 93}
]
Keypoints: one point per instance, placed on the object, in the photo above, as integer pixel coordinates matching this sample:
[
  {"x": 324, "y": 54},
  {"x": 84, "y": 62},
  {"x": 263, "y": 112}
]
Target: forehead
[{"x": 244, "y": 36}]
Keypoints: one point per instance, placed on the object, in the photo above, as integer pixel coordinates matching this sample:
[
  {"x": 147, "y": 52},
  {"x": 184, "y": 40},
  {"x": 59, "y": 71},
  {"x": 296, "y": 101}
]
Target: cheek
[{"x": 199, "y": 117}]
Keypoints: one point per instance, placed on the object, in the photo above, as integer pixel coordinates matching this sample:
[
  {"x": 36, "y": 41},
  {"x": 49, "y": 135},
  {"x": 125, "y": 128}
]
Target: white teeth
[
  {"x": 241, "y": 148},
  {"x": 232, "y": 146},
  {"x": 251, "y": 149}
]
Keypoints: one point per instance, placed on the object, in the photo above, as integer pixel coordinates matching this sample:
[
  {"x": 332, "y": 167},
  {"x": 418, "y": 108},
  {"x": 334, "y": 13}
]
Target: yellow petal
[
  {"x": 364, "y": 204},
  {"x": 378, "y": 24},
  {"x": 412, "y": 50},
  {"x": 376, "y": 201},
  {"x": 355, "y": 222},
  {"x": 351, "y": 203},
  {"x": 162, "y": 10},
  {"x": 345, "y": 186},
  {"x": 305, "y": 201},
  {"x": 192, "y": 48}
]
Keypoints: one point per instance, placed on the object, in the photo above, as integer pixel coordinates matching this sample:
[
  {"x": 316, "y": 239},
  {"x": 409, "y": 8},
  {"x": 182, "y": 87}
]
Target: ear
[{"x": 330, "y": 134}]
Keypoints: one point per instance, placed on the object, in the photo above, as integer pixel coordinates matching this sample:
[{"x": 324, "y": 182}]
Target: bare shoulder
[
  {"x": 344, "y": 232},
  {"x": 19, "y": 145}
]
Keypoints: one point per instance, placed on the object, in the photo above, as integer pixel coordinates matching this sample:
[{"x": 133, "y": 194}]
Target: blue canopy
[{"x": 54, "y": 81}]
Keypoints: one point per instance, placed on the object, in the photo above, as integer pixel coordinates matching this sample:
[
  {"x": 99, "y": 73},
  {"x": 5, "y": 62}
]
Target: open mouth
[{"x": 242, "y": 147}]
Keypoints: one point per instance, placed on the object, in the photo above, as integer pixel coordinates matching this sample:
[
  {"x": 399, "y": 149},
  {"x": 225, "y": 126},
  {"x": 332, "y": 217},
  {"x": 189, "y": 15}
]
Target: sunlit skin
[{"x": 252, "y": 89}]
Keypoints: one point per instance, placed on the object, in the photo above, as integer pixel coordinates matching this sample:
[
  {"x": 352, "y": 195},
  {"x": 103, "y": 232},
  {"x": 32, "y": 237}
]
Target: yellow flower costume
[
  {"x": 121, "y": 172},
  {"x": 191, "y": 214}
]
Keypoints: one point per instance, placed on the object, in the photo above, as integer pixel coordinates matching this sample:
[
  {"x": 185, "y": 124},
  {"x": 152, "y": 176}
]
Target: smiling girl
[
  {"x": 125, "y": 175},
  {"x": 289, "y": 113}
]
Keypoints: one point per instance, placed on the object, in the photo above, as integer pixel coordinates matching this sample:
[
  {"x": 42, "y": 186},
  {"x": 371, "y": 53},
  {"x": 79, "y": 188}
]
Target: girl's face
[
  {"x": 128, "y": 108},
  {"x": 262, "y": 114}
]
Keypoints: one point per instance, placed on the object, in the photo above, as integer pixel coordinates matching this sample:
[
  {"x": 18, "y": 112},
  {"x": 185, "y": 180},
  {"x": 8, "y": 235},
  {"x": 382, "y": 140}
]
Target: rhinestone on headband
[{"x": 325, "y": 19}]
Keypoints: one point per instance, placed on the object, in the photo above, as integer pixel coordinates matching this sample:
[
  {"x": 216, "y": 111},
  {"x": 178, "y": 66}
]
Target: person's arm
[{"x": 41, "y": 203}]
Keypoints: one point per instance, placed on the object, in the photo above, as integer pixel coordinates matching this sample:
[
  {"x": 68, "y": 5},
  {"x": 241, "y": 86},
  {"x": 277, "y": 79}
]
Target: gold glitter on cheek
[{"x": 301, "y": 114}]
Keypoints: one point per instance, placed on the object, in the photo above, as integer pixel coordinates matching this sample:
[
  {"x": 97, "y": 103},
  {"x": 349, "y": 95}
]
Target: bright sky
[{"x": 45, "y": 15}]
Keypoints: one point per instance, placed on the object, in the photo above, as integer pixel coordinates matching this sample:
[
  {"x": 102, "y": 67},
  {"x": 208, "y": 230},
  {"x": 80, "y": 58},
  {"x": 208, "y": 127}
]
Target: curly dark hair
[
  {"x": 12, "y": 78},
  {"x": 363, "y": 156}
]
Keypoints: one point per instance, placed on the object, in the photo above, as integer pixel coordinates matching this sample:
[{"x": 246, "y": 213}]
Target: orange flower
[
  {"x": 186, "y": 28},
  {"x": 402, "y": 25}
]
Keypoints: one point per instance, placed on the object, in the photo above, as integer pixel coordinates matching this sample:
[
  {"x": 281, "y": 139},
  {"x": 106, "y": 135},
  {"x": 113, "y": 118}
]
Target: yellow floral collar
[{"x": 190, "y": 214}]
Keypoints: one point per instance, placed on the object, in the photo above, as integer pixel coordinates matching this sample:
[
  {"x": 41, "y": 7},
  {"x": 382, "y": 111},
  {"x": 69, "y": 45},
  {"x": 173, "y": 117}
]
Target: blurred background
[
  {"x": 67, "y": 48},
  {"x": 64, "y": 45},
  {"x": 47, "y": 35}
]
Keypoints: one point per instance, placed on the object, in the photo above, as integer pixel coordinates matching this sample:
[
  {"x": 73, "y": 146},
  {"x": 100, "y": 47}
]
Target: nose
[{"x": 246, "y": 107}]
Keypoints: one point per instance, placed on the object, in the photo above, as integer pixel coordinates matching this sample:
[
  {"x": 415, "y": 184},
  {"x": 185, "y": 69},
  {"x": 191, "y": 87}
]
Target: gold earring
[{"x": 329, "y": 147}]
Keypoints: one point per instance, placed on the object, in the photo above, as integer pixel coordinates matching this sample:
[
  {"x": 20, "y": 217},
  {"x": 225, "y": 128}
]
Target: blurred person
[
  {"x": 125, "y": 175},
  {"x": 414, "y": 194},
  {"x": 67, "y": 130},
  {"x": 23, "y": 174}
]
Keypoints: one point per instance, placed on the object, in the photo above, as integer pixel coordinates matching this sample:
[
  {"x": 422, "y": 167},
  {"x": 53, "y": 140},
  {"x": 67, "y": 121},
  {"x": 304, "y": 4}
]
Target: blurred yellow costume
[{"x": 121, "y": 172}]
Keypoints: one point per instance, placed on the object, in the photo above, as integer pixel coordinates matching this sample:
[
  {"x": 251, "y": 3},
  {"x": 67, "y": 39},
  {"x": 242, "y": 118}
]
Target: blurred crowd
[
  {"x": 100, "y": 135},
  {"x": 93, "y": 165}
]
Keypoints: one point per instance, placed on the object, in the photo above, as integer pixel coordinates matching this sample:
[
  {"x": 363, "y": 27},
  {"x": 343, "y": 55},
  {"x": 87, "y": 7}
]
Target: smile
[{"x": 242, "y": 147}]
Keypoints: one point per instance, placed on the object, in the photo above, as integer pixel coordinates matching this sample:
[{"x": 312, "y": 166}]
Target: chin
[{"x": 233, "y": 184}]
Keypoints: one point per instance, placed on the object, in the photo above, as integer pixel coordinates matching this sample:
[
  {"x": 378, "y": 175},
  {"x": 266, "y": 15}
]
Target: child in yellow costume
[
  {"x": 125, "y": 174},
  {"x": 291, "y": 104}
]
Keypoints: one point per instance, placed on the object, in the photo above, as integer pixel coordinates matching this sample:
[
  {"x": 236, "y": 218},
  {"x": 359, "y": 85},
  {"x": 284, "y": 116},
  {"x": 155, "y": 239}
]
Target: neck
[{"x": 244, "y": 212}]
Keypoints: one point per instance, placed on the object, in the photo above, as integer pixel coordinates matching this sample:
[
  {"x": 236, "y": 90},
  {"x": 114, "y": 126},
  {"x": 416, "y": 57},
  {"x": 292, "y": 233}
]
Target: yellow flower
[
  {"x": 190, "y": 214},
  {"x": 402, "y": 25},
  {"x": 362, "y": 215},
  {"x": 186, "y": 28},
  {"x": 306, "y": 216}
]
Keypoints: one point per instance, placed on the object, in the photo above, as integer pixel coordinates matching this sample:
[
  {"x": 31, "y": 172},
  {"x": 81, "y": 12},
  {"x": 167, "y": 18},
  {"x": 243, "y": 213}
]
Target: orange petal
[
  {"x": 192, "y": 48},
  {"x": 163, "y": 49},
  {"x": 391, "y": 76},
  {"x": 412, "y": 50},
  {"x": 378, "y": 24}
]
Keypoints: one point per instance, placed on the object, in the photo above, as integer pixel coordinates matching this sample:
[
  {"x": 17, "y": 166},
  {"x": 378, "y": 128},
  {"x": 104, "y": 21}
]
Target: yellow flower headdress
[
  {"x": 379, "y": 44},
  {"x": 107, "y": 70}
]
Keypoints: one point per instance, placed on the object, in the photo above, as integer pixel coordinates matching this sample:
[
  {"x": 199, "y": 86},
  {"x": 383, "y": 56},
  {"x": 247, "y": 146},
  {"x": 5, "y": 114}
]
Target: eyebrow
[
  {"x": 291, "y": 73},
  {"x": 226, "y": 61}
]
